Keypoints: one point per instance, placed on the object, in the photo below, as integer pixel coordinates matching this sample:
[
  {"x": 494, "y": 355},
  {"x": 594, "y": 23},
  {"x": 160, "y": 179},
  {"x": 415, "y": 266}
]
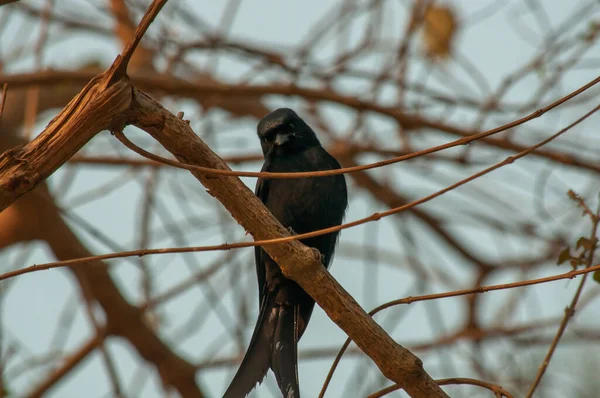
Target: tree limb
[
  {"x": 94, "y": 110},
  {"x": 297, "y": 261}
]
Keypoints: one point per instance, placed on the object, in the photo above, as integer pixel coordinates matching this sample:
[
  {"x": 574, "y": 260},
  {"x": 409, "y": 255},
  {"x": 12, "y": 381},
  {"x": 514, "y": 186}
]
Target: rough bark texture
[
  {"x": 96, "y": 109},
  {"x": 25, "y": 167},
  {"x": 297, "y": 261}
]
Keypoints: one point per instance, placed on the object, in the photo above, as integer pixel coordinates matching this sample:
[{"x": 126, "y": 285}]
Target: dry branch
[
  {"x": 297, "y": 261},
  {"x": 22, "y": 168},
  {"x": 95, "y": 109},
  {"x": 231, "y": 97},
  {"x": 90, "y": 112}
]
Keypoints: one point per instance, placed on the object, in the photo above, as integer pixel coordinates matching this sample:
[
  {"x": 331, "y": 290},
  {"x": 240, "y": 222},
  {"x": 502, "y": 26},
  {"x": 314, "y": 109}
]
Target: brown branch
[
  {"x": 124, "y": 30},
  {"x": 441, "y": 342},
  {"x": 3, "y": 98},
  {"x": 286, "y": 237},
  {"x": 303, "y": 174},
  {"x": 570, "y": 310},
  {"x": 498, "y": 391},
  {"x": 90, "y": 112},
  {"x": 119, "y": 68},
  {"x": 392, "y": 199},
  {"x": 296, "y": 260},
  {"x": 129, "y": 322},
  {"x": 480, "y": 289},
  {"x": 95, "y": 109},
  {"x": 69, "y": 363},
  {"x": 337, "y": 151},
  {"x": 182, "y": 87}
]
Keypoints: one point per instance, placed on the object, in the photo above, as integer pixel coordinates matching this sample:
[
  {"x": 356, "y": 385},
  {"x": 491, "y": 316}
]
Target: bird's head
[{"x": 283, "y": 132}]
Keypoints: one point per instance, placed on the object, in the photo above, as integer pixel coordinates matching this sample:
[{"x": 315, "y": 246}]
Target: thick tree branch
[
  {"x": 90, "y": 112},
  {"x": 297, "y": 261},
  {"x": 22, "y": 168},
  {"x": 224, "y": 95},
  {"x": 94, "y": 110}
]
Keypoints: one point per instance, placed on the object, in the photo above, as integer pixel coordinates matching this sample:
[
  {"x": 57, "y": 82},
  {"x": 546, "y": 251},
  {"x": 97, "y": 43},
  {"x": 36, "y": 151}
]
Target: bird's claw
[
  {"x": 319, "y": 255},
  {"x": 292, "y": 231}
]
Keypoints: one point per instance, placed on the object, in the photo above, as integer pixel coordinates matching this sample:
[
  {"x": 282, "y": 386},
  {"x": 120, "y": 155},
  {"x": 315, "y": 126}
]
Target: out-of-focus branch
[
  {"x": 570, "y": 310},
  {"x": 70, "y": 363},
  {"x": 119, "y": 67},
  {"x": 392, "y": 199},
  {"x": 141, "y": 59},
  {"x": 489, "y": 227},
  {"x": 95, "y": 109},
  {"x": 208, "y": 91},
  {"x": 297, "y": 261},
  {"x": 35, "y": 216},
  {"x": 22, "y": 168}
]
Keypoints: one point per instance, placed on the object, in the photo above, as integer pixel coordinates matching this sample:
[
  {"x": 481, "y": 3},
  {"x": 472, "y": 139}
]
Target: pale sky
[{"x": 35, "y": 301}]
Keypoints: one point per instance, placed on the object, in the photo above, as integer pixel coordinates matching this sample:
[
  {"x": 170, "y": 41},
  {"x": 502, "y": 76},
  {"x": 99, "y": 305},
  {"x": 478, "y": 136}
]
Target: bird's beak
[{"x": 281, "y": 139}]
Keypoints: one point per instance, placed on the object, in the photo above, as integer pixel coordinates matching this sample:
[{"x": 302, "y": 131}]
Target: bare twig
[
  {"x": 570, "y": 310},
  {"x": 3, "y": 98},
  {"x": 498, "y": 391}
]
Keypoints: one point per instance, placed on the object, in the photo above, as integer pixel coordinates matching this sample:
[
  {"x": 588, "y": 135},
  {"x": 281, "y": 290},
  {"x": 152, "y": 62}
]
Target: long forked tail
[{"x": 273, "y": 345}]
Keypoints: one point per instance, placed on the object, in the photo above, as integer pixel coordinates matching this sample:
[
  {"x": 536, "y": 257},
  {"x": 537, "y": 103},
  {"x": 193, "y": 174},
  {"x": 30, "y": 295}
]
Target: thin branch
[
  {"x": 498, "y": 391},
  {"x": 3, "y": 98},
  {"x": 118, "y": 69},
  {"x": 297, "y": 261},
  {"x": 456, "y": 293},
  {"x": 69, "y": 131},
  {"x": 286, "y": 236},
  {"x": 570, "y": 310},
  {"x": 69, "y": 363}
]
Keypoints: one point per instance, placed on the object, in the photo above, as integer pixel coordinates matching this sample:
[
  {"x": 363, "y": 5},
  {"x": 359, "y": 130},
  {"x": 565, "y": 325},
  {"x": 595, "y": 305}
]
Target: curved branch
[{"x": 297, "y": 261}]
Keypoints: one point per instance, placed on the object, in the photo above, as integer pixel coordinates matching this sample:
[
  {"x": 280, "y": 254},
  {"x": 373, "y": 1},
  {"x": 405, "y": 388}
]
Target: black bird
[{"x": 302, "y": 205}]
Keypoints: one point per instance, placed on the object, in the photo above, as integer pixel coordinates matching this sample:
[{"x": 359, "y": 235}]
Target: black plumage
[{"x": 302, "y": 205}]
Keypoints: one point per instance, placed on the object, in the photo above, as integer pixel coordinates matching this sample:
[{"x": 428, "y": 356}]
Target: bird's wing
[
  {"x": 262, "y": 186},
  {"x": 261, "y": 191}
]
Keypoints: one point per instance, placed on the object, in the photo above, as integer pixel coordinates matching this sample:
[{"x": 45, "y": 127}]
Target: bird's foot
[
  {"x": 319, "y": 255},
  {"x": 292, "y": 231}
]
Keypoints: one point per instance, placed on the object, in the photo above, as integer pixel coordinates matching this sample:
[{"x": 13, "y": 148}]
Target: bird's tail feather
[
  {"x": 284, "y": 357},
  {"x": 273, "y": 345}
]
